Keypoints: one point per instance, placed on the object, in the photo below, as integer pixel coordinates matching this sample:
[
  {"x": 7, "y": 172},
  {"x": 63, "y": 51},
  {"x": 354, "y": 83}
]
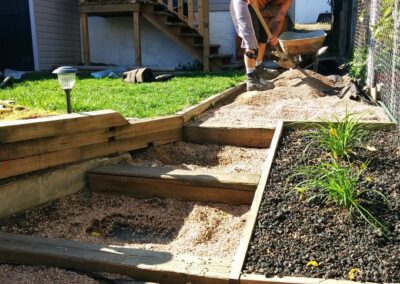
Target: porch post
[
  {"x": 85, "y": 39},
  {"x": 137, "y": 38}
]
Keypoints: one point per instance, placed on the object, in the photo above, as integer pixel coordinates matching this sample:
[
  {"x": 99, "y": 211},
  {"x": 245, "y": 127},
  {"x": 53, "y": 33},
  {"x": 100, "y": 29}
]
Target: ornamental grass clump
[
  {"x": 339, "y": 137},
  {"x": 337, "y": 184}
]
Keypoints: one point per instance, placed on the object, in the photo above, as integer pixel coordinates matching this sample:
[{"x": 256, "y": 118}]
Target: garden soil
[
  {"x": 298, "y": 95},
  {"x": 166, "y": 225},
  {"x": 293, "y": 237}
]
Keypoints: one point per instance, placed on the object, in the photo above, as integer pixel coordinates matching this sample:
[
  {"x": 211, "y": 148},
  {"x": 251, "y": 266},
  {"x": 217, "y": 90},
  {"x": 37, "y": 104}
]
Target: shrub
[
  {"x": 337, "y": 184},
  {"x": 339, "y": 137}
]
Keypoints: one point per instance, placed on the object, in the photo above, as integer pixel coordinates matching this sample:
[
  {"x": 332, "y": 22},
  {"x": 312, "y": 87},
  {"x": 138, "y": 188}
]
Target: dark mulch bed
[{"x": 290, "y": 232}]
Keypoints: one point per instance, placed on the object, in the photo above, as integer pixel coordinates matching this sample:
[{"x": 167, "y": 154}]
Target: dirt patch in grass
[
  {"x": 290, "y": 232},
  {"x": 191, "y": 156},
  {"x": 298, "y": 95},
  {"x": 165, "y": 225}
]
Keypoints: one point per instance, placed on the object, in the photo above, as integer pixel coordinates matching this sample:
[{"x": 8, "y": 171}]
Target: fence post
[
  {"x": 395, "y": 97},
  {"x": 206, "y": 34},
  {"x": 371, "y": 44}
]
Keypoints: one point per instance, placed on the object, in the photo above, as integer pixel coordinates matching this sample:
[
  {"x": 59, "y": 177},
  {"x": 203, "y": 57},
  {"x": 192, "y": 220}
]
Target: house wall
[
  {"x": 307, "y": 11},
  {"x": 112, "y": 42},
  {"x": 57, "y": 35}
]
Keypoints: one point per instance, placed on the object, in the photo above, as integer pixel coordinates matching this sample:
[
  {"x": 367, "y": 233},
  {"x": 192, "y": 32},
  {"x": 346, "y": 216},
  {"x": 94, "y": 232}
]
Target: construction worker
[{"x": 254, "y": 37}]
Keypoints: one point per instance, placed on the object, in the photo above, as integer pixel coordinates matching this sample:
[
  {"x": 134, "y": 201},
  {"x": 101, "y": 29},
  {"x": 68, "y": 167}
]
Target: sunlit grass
[{"x": 41, "y": 94}]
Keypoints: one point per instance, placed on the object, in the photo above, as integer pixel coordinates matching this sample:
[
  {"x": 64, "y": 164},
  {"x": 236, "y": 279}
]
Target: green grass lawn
[{"x": 41, "y": 94}]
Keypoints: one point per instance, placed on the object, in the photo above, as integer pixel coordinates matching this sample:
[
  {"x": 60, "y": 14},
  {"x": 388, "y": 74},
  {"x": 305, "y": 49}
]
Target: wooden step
[
  {"x": 146, "y": 182},
  {"x": 190, "y": 35},
  {"x": 236, "y": 136},
  {"x": 176, "y": 24},
  {"x": 145, "y": 265}
]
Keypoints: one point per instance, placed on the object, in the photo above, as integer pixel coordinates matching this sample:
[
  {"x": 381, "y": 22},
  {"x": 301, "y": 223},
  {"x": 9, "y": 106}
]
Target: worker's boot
[
  {"x": 254, "y": 84},
  {"x": 266, "y": 74}
]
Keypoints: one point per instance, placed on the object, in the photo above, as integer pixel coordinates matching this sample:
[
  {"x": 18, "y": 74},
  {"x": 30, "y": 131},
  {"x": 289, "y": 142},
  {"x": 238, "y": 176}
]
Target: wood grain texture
[
  {"x": 140, "y": 264},
  {"x": 146, "y": 182},
  {"x": 241, "y": 181},
  {"x": 242, "y": 137},
  {"x": 20, "y": 130},
  {"x": 251, "y": 220}
]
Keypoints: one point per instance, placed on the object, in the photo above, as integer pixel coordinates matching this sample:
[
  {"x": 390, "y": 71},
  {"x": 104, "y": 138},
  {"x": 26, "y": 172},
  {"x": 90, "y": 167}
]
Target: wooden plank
[
  {"x": 137, "y": 39},
  {"x": 252, "y": 217},
  {"x": 311, "y": 124},
  {"x": 149, "y": 126},
  {"x": 160, "y": 267},
  {"x": 241, "y": 181},
  {"x": 147, "y": 187},
  {"x": 20, "y": 130},
  {"x": 44, "y": 161},
  {"x": 108, "y": 8},
  {"x": 85, "y": 39},
  {"x": 191, "y": 112},
  {"x": 200, "y": 16},
  {"x": 206, "y": 35},
  {"x": 190, "y": 13},
  {"x": 261, "y": 279},
  {"x": 10, "y": 151},
  {"x": 243, "y": 137},
  {"x": 180, "y": 9}
]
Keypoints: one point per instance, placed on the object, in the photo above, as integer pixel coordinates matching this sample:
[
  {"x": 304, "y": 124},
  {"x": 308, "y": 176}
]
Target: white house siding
[
  {"x": 57, "y": 33},
  {"x": 111, "y": 40},
  {"x": 307, "y": 11}
]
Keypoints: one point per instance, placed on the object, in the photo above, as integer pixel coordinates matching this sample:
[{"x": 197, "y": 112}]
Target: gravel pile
[
  {"x": 296, "y": 238},
  {"x": 298, "y": 95}
]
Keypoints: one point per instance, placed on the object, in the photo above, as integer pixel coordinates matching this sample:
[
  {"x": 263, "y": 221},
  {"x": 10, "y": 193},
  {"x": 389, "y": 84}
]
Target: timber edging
[{"x": 35, "y": 144}]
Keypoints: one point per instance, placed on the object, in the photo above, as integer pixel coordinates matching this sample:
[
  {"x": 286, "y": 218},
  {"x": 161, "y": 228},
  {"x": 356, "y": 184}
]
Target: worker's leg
[
  {"x": 243, "y": 24},
  {"x": 263, "y": 74}
]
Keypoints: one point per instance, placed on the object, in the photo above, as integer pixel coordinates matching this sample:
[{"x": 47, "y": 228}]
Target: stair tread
[
  {"x": 180, "y": 24},
  {"x": 202, "y": 178}
]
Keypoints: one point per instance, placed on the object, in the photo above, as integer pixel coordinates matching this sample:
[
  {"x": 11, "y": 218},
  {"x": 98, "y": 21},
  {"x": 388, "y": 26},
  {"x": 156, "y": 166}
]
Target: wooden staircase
[{"x": 185, "y": 24}]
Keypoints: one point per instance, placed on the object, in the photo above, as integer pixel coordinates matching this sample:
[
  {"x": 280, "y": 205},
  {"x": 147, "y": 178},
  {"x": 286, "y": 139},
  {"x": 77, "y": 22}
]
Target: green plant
[
  {"x": 337, "y": 184},
  {"x": 383, "y": 29},
  {"x": 338, "y": 137},
  {"x": 358, "y": 64}
]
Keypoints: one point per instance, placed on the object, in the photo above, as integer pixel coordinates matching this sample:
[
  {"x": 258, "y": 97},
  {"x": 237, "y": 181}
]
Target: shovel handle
[{"x": 262, "y": 21}]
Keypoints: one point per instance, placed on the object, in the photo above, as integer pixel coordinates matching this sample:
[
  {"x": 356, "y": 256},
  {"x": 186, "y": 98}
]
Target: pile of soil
[
  {"x": 190, "y": 156},
  {"x": 301, "y": 95},
  {"x": 16, "y": 274},
  {"x": 290, "y": 232},
  {"x": 152, "y": 224}
]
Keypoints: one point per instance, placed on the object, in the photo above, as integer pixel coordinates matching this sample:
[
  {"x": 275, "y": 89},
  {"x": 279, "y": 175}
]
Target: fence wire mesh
[{"x": 377, "y": 36}]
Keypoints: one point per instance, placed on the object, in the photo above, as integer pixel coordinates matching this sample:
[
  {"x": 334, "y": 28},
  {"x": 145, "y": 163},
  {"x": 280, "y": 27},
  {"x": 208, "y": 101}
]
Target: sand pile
[
  {"x": 13, "y": 274},
  {"x": 152, "y": 224},
  {"x": 298, "y": 95},
  {"x": 183, "y": 155}
]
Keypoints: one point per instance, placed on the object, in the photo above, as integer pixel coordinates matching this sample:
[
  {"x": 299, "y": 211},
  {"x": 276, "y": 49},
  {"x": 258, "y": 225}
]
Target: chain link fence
[{"x": 377, "y": 47}]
